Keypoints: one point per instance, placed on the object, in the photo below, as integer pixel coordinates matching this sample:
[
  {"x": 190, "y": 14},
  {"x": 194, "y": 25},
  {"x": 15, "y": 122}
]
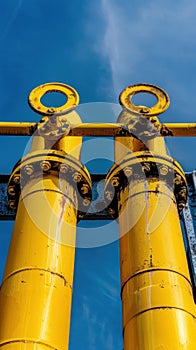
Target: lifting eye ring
[
  {"x": 36, "y": 94},
  {"x": 162, "y": 97}
]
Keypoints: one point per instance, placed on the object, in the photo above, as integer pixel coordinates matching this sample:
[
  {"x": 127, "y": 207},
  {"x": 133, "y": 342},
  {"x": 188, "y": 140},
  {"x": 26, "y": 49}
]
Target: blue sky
[{"x": 98, "y": 47}]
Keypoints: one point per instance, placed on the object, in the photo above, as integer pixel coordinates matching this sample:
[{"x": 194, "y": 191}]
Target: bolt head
[
  {"x": 77, "y": 177},
  {"x": 183, "y": 193},
  {"x": 177, "y": 179},
  {"x": 86, "y": 202},
  {"x": 45, "y": 165},
  {"x": 181, "y": 206},
  {"x": 28, "y": 169},
  {"x": 115, "y": 181},
  {"x": 12, "y": 204},
  {"x": 84, "y": 189},
  {"x": 128, "y": 171},
  {"x": 163, "y": 170},
  {"x": 16, "y": 179},
  {"x": 146, "y": 167},
  {"x": 63, "y": 168},
  {"x": 11, "y": 191}
]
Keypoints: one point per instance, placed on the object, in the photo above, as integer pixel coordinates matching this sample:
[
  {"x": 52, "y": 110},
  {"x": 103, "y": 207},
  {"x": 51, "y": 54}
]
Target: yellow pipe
[
  {"x": 97, "y": 129},
  {"x": 37, "y": 143},
  {"x": 157, "y": 300},
  {"x": 17, "y": 128},
  {"x": 72, "y": 144},
  {"x": 36, "y": 293},
  {"x": 37, "y": 285},
  {"x": 179, "y": 129}
]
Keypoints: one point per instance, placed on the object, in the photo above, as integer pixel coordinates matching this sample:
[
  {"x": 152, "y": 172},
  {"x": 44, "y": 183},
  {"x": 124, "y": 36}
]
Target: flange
[
  {"x": 142, "y": 166},
  {"x": 64, "y": 166},
  {"x": 162, "y": 97},
  {"x": 36, "y": 94}
]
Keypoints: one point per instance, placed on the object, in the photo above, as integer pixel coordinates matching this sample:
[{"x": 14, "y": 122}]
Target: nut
[
  {"x": 45, "y": 165},
  {"x": 11, "y": 190},
  {"x": 183, "y": 192},
  {"x": 128, "y": 171},
  {"x": 115, "y": 181},
  {"x": 63, "y": 168},
  {"x": 84, "y": 189},
  {"x": 12, "y": 204},
  {"x": 178, "y": 179},
  {"x": 77, "y": 177},
  {"x": 28, "y": 169},
  {"x": 163, "y": 170},
  {"x": 16, "y": 179},
  {"x": 146, "y": 167},
  {"x": 86, "y": 202},
  {"x": 181, "y": 205}
]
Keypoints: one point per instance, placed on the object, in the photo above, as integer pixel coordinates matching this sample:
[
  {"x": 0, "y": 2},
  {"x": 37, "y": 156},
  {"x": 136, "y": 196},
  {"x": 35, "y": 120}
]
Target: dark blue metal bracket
[
  {"x": 97, "y": 210},
  {"x": 188, "y": 219}
]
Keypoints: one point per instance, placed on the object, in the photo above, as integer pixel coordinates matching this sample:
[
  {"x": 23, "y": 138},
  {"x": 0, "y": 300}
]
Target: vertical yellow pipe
[
  {"x": 36, "y": 292},
  {"x": 157, "y": 301},
  {"x": 37, "y": 143},
  {"x": 71, "y": 145}
]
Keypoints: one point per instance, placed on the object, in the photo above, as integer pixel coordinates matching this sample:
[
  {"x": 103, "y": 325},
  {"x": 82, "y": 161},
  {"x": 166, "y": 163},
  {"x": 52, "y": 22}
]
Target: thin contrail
[{"x": 11, "y": 20}]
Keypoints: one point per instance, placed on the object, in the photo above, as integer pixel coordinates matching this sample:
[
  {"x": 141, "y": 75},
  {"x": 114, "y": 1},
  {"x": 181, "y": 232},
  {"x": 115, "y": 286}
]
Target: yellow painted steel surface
[
  {"x": 37, "y": 143},
  {"x": 72, "y": 145},
  {"x": 161, "y": 96},
  {"x": 160, "y": 329},
  {"x": 37, "y": 285},
  {"x": 36, "y": 291},
  {"x": 36, "y": 294},
  {"x": 157, "y": 300},
  {"x": 36, "y": 95}
]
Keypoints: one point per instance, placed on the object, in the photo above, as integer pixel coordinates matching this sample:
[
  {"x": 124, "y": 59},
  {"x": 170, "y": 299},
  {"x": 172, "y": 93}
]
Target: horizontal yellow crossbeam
[
  {"x": 179, "y": 129},
  {"x": 97, "y": 129},
  {"x": 17, "y": 128}
]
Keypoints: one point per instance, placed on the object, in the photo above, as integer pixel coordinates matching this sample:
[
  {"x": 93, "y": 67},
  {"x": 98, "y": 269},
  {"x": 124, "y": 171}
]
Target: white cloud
[{"x": 146, "y": 39}]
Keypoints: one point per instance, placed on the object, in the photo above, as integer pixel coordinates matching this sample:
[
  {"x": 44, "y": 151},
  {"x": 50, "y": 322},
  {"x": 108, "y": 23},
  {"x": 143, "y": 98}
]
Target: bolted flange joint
[
  {"x": 139, "y": 126},
  {"x": 40, "y": 163},
  {"x": 53, "y": 127},
  {"x": 144, "y": 167}
]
